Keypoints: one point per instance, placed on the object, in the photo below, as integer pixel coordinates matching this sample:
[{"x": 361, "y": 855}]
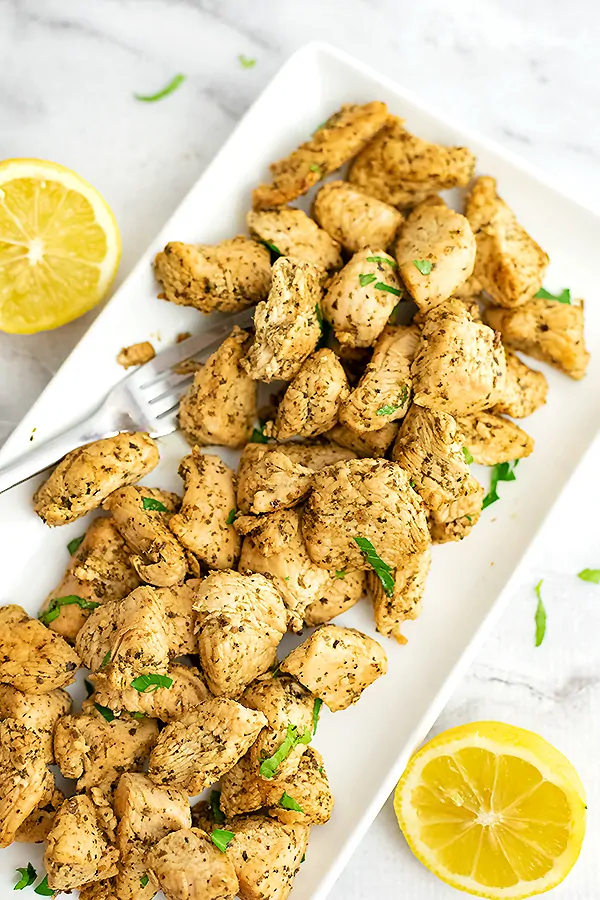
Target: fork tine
[{"x": 167, "y": 385}]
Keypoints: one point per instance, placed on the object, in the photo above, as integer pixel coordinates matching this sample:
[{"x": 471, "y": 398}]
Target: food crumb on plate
[{"x": 136, "y": 354}]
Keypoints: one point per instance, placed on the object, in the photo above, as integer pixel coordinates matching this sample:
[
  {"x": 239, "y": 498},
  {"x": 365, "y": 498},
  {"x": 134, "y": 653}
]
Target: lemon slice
[
  {"x": 59, "y": 246},
  {"x": 492, "y": 810}
]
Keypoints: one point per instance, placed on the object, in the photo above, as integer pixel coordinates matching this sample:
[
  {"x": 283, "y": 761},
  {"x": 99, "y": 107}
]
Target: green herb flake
[
  {"x": 106, "y": 660},
  {"x": 137, "y": 715},
  {"x": 500, "y": 472},
  {"x": 174, "y": 83},
  {"x": 325, "y": 328},
  {"x": 366, "y": 279},
  {"x": 381, "y": 568},
  {"x": 563, "y": 297},
  {"x": 592, "y": 575},
  {"x": 221, "y": 839},
  {"x": 144, "y": 880},
  {"x": 381, "y": 286},
  {"x": 89, "y": 687},
  {"x": 28, "y": 876},
  {"x": 269, "y": 766},
  {"x": 105, "y": 712},
  {"x": 288, "y": 802},
  {"x": 467, "y": 455},
  {"x": 43, "y": 888},
  {"x": 231, "y": 517},
  {"x": 53, "y": 611},
  {"x": 315, "y": 167},
  {"x": 423, "y": 265},
  {"x": 74, "y": 545},
  {"x": 386, "y": 410},
  {"x": 258, "y": 435},
  {"x": 147, "y": 684},
  {"x": 215, "y": 805},
  {"x": 340, "y": 573},
  {"x": 383, "y": 259},
  {"x": 540, "y": 616},
  {"x": 316, "y": 710},
  {"x": 304, "y": 857},
  {"x": 271, "y": 247},
  {"x": 246, "y": 62},
  {"x": 151, "y": 503}
]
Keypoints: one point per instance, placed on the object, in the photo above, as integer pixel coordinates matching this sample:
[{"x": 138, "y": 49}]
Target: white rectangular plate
[{"x": 366, "y": 747}]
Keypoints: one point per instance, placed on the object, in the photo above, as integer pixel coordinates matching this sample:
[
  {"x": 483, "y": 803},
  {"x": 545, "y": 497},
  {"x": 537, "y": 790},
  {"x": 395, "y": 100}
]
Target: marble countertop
[{"x": 525, "y": 74}]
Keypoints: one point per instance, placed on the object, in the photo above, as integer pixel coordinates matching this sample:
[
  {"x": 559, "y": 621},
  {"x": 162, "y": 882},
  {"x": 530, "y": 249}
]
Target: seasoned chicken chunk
[
  {"x": 241, "y": 620},
  {"x": 266, "y": 856},
  {"x": 435, "y": 252},
  {"x": 332, "y": 144},
  {"x": 510, "y": 266},
  {"x": 547, "y": 330},
  {"x": 337, "y": 664},
  {"x": 38, "y": 824},
  {"x": 402, "y": 169},
  {"x": 177, "y": 603},
  {"x": 344, "y": 590},
  {"x": 369, "y": 444},
  {"x": 86, "y": 476},
  {"x": 492, "y": 439},
  {"x": 203, "y": 524},
  {"x": 287, "y": 327},
  {"x": 33, "y": 659},
  {"x": 136, "y": 354},
  {"x": 229, "y": 276},
  {"x": 290, "y": 232},
  {"x": 460, "y": 367},
  {"x": 195, "y": 751},
  {"x": 37, "y": 712},
  {"x": 365, "y": 499},
  {"x": 167, "y": 704},
  {"x": 99, "y": 570},
  {"x": 361, "y": 297},
  {"x": 157, "y": 555},
  {"x": 353, "y": 218},
  {"x": 78, "y": 851},
  {"x": 95, "y": 748},
  {"x": 525, "y": 389},
  {"x": 405, "y": 601},
  {"x": 25, "y": 781},
  {"x": 383, "y": 393},
  {"x": 310, "y": 405},
  {"x": 188, "y": 866}
]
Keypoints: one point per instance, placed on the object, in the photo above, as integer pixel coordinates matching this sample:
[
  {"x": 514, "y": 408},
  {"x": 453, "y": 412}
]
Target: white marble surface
[{"x": 524, "y": 73}]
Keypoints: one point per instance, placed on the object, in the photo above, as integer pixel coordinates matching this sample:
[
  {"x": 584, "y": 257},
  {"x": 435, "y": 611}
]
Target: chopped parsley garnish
[
  {"x": 563, "y": 297},
  {"x": 43, "y": 888},
  {"x": 174, "y": 83},
  {"x": 231, "y": 517},
  {"x": 53, "y": 611},
  {"x": 215, "y": 805},
  {"x": 151, "y": 503},
  {"x": 269, "y": 766},
  {"x": 366, "y": 279},
  {"x": 271, "y": 247},
  {"x": 383, "y": 259},
  {"x": 592, "y": 575},
  {"x": 316, "y": 710},
  {"x": 303, "y": 858},
  {"x": 288, "y": 802},
  {"x": 381, "y": 568},
  {"x": 325, "y": 328},
  {"x": 258, "y": 435},
  {"x": 500, "y": 472},
  {"x": 540, "y": 616},
  {"x": 221, "y": 839},
  {"x": 89, "y": 688},
  {"x": 381, "y": 286},
  {"x": 246, "y": 62},
  {"x": 340, "y": 573},
  {"x": 106, "y": 660},
  {"x": 147, "y": 684},
  {"x": 144, "y": 880},
  {"x": 315, "y": 167},
  {"x": 73, "y": 546},
  {"x": 105, "y": 712},
  {"x": 423, "y": 265},
  {"x": 467, "y": 455},
  {"x": 386, "y": 410},
  {"x": 137, "y": 715},
  {"x": 28, "y": 876}
]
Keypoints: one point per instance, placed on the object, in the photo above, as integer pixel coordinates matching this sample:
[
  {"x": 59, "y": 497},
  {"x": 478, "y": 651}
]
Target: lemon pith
[
  {"x": 59, "y": 246},
  {"x": 493, "y": 810}
]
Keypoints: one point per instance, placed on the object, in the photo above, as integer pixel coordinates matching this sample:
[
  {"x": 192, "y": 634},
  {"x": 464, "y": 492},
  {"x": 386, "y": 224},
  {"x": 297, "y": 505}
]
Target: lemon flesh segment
[
  {"x": 492, "y": 810},
  {"x": 59, "y": 246}
]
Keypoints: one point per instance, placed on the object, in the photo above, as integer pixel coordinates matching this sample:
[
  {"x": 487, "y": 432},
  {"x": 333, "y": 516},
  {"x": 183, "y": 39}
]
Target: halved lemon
[
  {"x": 59, "y": 246},
  {"x": 492, "y": 810}
]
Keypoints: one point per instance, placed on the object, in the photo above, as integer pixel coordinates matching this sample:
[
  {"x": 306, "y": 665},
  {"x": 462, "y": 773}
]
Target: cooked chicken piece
[
  {"x": 95, "y": 748},
  {"x": 290, "y": 232},
  {"x": 136, "y": 354},
  {"x": 402, "y": 169},
  {"x": 188, "y": 866},
  {"x": 284, "y": 702},
  {"x": 37, "y": 712},
  {"x": 332, "y": 144},
  {"x": 195, "y": 751},
  {"x": 38, "y": 824},
  {"x": 345, "y": 589},
  {"x": 369, "y": 444},
  {"x": 287, "y": 327},
  {"x": 353, "y": 218},
  {"x": 383, "y": 393},
  {"x": 146, "y": 813},
  {"x": 241, "y": 620},
  {"x": 203, "y": 525},
  {"x": 369, "y": 499},
  {"x": 158, "y": 557},
  {"x": 242, "y": 791},
  {"x": 510, "y": 265},
  {"x": 361, "y": 297},
  {"x": 405, "y": 600},
  {"x": 545, "y": 329},
  {"x": 86, "y": 476},
  {"x": 125, "y": 639},
  {"x": 337, "y": 664},
  {"x": 25, "y": 781},
  {"x": 310, "y": 404},
  {"x": 435, "y": 252},
  {"x": 229, "y": 276},
  {"x": 33, "y": 660},
  {"x": 78, "y": 851},
  {"x": 99, "y": 570},
  {"x": 266, "y": 856},
  {"x": 460, "y": 367},
  {"x": 167, "y": 704},
  {"x": 454, "y": 521},
  {"x": 525, "y": 389},
  {"x": 178, "y": 605},
  {"x": 492, "y": 439}
]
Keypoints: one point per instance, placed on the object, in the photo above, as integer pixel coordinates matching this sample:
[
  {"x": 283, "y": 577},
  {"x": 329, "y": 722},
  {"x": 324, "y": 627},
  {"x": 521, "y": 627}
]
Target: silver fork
[{"x": 145, "y": 400}]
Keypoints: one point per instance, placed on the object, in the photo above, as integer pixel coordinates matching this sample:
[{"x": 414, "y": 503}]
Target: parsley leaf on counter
[
  {"x": 221, "y": 839},
  {"x": 381, "y": 568},
  {"x": 246, "y": 62},
  {"x": 74, "y": 545},
  {"x": 168, "y": 89},
  {"x": 288, "y": 802},
  {"x": 592, "y": 575},
  {"x": 43, "y": 890},
  {"x": 500, "y": 472},
  {"x": 563, "y": 297},
  {"x": 151, "y": 503},
  {"x": 540, "y": 616},
  {"x": 53, "y": 611},
  {"x": 147, "y": 684},
  {"x": 423, "y": 265},
  {"x": 269, "y": 766},
  {"x": 366, "y": 279},
  {"x": 28, "y": 876}
]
